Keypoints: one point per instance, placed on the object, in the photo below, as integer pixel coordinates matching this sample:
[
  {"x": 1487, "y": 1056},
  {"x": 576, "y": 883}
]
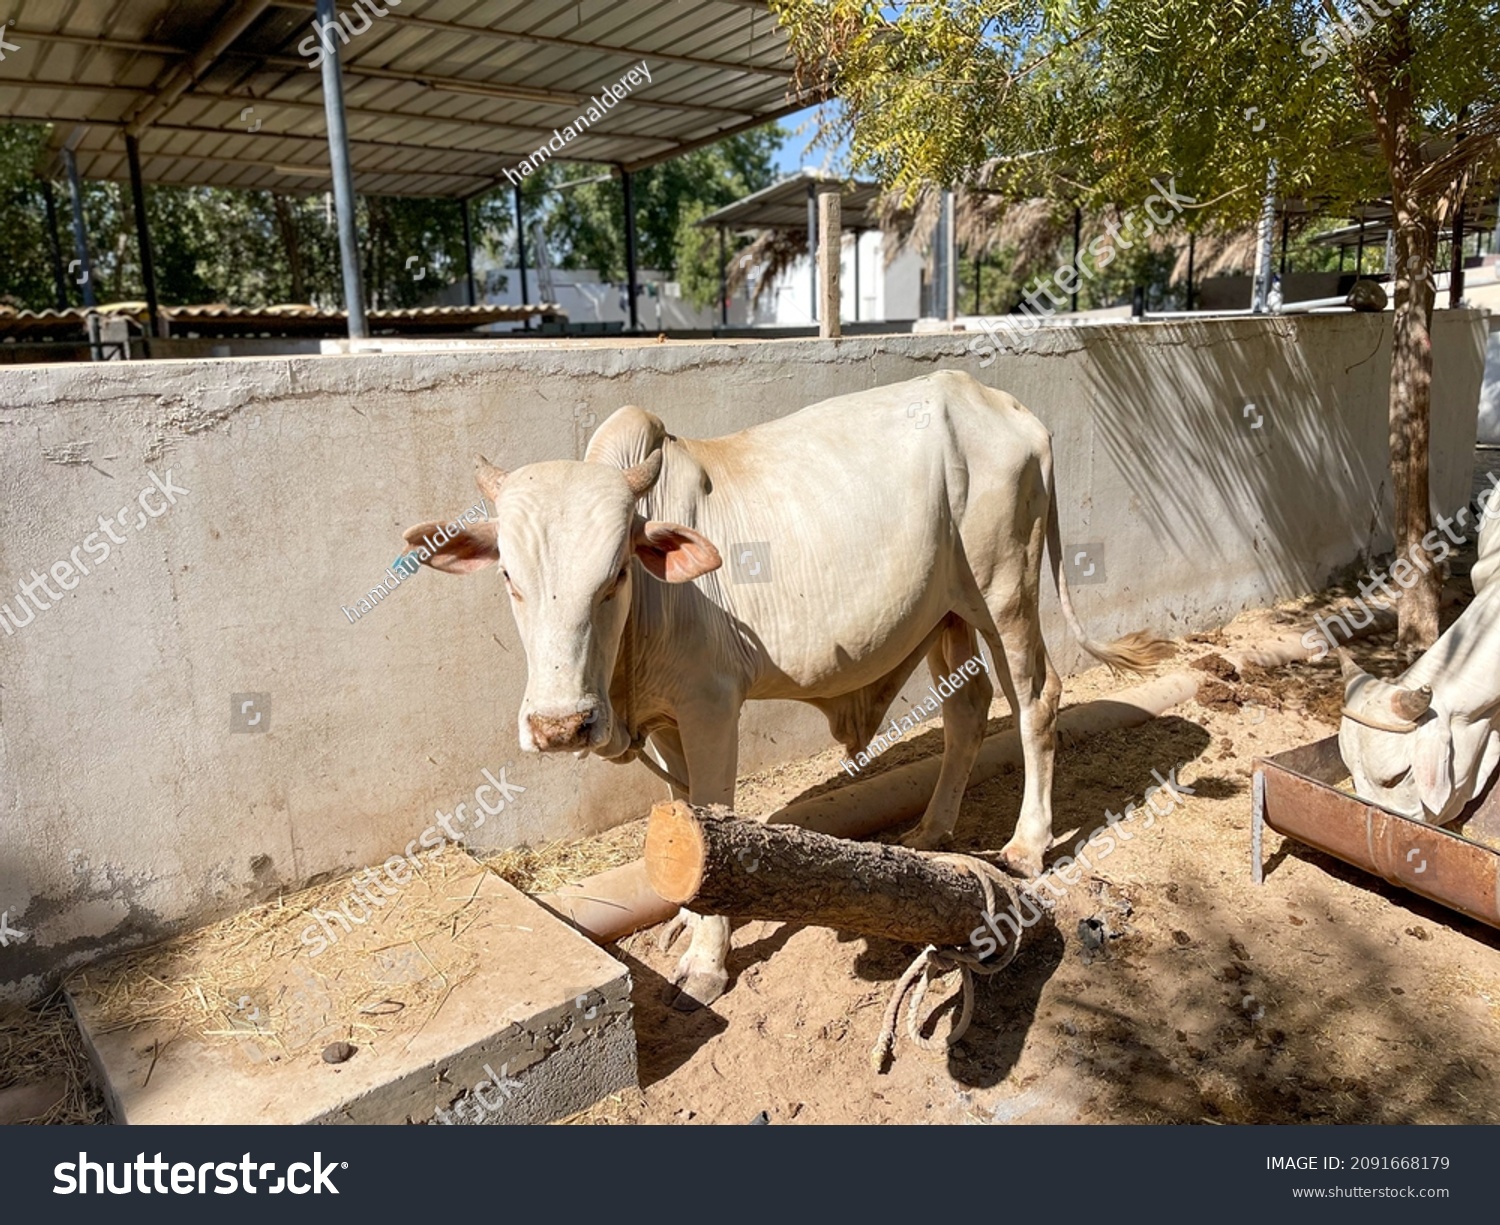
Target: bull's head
[
  {"x": 563, "y": 535},
  {"x": 1397, "y": 744}
]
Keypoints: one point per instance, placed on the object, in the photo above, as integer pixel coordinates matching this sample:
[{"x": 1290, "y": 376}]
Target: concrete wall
[{"x": 130, "y": 808}]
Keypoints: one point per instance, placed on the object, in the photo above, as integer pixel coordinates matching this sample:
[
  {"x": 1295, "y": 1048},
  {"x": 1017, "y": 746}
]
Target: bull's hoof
[
  {"x": 924, "y": 839},
  {"x": 1021, "y": 862},
  {"x": 693, "y": 989}
]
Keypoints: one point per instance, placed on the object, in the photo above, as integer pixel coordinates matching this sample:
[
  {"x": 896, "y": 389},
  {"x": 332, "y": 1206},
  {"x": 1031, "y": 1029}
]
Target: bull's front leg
[{"x": 710, "y": 748}]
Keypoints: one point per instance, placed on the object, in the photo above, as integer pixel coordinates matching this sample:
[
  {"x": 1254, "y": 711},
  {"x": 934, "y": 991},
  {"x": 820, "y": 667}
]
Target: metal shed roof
[
  {"x": 783, "y": 205},
  {"x": 442, "y": 96}
]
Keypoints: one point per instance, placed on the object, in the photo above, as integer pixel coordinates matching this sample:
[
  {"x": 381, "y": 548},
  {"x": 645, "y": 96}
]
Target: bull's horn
[
  {"x": 1411, "y": 704},
  {"x": 1347, "y": 666},
  {"x": 643, "y": 476},
  {"x": 488, "y": 477}
]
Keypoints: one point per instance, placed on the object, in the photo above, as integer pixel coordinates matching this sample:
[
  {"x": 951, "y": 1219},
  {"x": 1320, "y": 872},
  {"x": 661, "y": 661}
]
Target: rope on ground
[{"x": 932, "y": 963}]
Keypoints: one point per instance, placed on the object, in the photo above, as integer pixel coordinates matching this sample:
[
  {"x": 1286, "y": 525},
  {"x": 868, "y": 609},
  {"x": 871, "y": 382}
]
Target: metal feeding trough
[{"x": 1296, "y": 794}]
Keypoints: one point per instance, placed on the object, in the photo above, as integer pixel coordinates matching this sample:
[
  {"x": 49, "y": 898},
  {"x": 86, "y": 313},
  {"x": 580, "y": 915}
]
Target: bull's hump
[{"x": 627, "y": 437}]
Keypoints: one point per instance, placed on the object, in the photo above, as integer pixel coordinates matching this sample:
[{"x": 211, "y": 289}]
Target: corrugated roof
[
  {"x": 783, "y": 206},
  {"x": 442, "y": 95},
  {"x": 217, "y": 319}
]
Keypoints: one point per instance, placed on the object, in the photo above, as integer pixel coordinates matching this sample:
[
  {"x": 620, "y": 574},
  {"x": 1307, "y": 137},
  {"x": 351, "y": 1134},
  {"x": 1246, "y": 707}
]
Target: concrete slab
[{"x": 496, "y": 1012}]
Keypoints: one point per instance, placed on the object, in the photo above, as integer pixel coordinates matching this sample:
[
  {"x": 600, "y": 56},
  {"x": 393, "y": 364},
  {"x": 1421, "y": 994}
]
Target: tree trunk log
[
  {"x": 715, "y": 863},
  {"x": 1410, "y": 419}
]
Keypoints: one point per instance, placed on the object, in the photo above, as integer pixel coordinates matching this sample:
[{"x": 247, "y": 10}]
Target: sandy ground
[{"x": 1321, "y": 996}]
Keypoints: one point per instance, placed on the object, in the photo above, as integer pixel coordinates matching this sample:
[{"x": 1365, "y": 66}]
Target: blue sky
[{"x": 802, "y": 127}]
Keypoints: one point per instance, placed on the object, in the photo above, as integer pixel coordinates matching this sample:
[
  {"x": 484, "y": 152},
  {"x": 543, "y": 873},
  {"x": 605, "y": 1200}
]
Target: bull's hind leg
[
  {"x": 1034, "y": 690},
  {"x": 964, "y": 713}
]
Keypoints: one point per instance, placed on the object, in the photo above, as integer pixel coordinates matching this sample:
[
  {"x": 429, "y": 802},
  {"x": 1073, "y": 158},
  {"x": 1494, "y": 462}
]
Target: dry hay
[
  {"x": 251, "y": 978},
  {"x": 42, "y": 1045},
  {"x": 543, "y": 869}
]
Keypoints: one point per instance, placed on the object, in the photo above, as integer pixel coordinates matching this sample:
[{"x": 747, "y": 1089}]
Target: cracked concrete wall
[{"x": 130, "y": 809}]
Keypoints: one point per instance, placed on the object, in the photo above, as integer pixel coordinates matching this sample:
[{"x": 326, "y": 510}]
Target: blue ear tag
[{"x": 407, "y": 564}]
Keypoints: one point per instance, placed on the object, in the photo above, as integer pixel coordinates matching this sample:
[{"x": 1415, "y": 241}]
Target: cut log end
[
  {"x": 712, "y": 862},
  {"x": 675, "y": 852}
]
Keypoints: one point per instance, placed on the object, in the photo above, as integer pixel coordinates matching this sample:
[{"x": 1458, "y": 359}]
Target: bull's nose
[{"x": 562, "y": 733}]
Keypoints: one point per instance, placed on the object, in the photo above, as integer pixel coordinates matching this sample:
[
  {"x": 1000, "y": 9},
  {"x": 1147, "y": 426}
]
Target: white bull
[
  {"x": 1426, "y": 744},
  {"x": 888, "y": 533}
]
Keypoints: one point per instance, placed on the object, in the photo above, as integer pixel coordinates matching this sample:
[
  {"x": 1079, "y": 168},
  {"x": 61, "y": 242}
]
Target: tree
[{"x": 1092, "y": 99}]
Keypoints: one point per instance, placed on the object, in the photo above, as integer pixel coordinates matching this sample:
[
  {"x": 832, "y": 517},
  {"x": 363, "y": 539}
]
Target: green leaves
[{"x": 1087, "y": 100}]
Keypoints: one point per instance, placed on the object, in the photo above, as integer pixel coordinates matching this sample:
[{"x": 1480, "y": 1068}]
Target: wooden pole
[
  {"x": 830, "y": 259},
  {"x": 715, "y": 863}
]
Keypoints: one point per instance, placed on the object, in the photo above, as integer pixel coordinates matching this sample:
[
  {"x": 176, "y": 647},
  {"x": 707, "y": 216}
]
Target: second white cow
[
  {"x": 1426, "y": 744},
  {"x": 870, "y": 531}
]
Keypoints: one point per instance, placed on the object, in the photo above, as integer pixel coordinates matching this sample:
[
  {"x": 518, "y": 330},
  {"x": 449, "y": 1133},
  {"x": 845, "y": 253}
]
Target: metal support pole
[
  {"x": 143, "y": 233},
  {"x": 1285, "y": 222},
  {"x": 58, "y": 279},
  {"x": 857, "y": 233},
  {"x": 627, "y": 187},
  {"x": 812, "y": 244},
  {"x": 1456, "y": 269},
  {"x": 343, "y": 175},
  {"x": 81, "y": 245},
  {"x": 521, "y": 253},
  {"x": 1077, "y": 242},
  {"x": 1192, "y": 246},
  {"x": 80, "y": 229},
  {"x": 723, "y": 280},
  {"x": 1359, "y": 251},
  {"x": 1263, "y": 240},
  {"x": 469, "y": 293},
  {"x": 978, "y": 280}
]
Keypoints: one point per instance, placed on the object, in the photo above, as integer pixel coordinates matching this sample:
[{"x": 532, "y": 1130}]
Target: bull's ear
[
  {"x": 1432, "y": 763},
  {"x": 473, "y": 548},
  {"x": 673, "y": 553}
]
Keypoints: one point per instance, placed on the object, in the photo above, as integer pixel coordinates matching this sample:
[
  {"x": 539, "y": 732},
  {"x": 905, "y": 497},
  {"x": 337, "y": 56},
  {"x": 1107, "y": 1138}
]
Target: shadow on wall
[
  {"x": 1269, "y": 450},
  {"x": 1287, "y": 462}
]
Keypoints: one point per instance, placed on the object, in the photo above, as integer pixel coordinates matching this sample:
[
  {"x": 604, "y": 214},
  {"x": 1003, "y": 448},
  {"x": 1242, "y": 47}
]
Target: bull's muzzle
[{"x": 567, "y": 733}]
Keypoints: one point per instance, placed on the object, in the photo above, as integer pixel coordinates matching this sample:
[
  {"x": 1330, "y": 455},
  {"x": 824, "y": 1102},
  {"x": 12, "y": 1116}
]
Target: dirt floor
[
  {"x": 1321, "y": 996},
  {"x": 1163, "y": 987}
]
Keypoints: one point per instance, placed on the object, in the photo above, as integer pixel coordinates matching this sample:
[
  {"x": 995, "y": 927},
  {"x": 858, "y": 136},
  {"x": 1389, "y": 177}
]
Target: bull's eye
[
  {"x": 510, "y": 586},
  {"x": 619, "y": 581},
  {"x": 1395, "y": 779}
]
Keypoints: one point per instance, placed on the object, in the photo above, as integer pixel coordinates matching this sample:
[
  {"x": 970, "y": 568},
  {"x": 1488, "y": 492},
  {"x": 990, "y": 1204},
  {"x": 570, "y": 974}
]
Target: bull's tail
[{"x": 1135, "y": 652}]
